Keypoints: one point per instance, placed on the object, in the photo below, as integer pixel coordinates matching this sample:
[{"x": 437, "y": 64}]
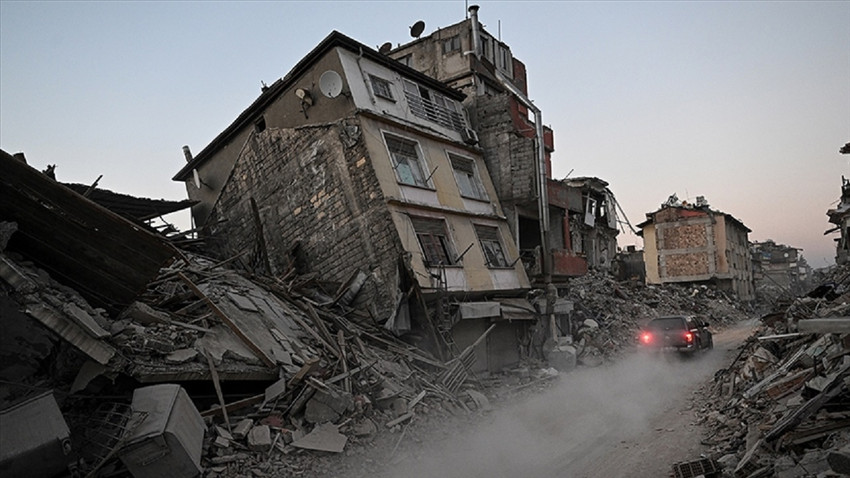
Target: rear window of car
[{"x": 667, "y": 323}]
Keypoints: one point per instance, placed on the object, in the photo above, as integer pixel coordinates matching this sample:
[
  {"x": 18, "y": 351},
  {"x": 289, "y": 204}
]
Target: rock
[
  {"x": 260, "y": 438},
  {"x": 241, "y": 429},
  {"x": 328, "y": 406},
  {"x": 182, "y": 356}
]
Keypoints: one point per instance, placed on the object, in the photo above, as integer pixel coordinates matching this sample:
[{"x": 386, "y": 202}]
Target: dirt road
[{"x": 630, "y": 419}]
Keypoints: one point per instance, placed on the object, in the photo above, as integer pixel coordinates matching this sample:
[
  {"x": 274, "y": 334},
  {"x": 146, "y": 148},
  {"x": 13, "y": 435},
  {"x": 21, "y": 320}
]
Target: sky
[{"x": 744, "y": 103}]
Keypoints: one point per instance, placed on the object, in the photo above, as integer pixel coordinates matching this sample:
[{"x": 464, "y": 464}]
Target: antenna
[
  {"x": 417, "y": 29},
  {"x": 330, "y": 83},
  {"x": 385, "y": 48}
]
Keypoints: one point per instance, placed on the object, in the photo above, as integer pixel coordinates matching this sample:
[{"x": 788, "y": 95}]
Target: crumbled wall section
[
  {"x": 510, "y": 157},
  {"x": 315, "y": 186}
]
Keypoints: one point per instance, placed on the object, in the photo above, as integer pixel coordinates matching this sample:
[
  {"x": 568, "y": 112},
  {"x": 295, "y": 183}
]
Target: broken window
[
  {"x": 451, "y": 44},
  {"x": 406, "y": 60},
  {"x": 467, "y": 177},
  {"x": 436, "y": 247},
  {"x": 590, "y": 212},
  {"x": 381, "y": 87},
  {"x": 433, "y": 106},
  {"x": 494, "y": 254},
  {"x": 407, "y": 162},
  {"x": 260, "y": 124}
]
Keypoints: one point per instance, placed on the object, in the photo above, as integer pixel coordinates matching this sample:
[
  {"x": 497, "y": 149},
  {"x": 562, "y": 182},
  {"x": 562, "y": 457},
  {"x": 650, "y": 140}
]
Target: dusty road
[{"x": 630, "y": 419}]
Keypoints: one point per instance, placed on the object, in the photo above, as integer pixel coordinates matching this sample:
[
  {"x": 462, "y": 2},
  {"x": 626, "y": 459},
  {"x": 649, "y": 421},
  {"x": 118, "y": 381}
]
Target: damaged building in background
[
  {"x": 360, "y": 169},
  {"x": 691, "y": 243},
  {"x": 779, "y": 271},
  {"x": 517, "y": 149},
  {"x": 840, "y": 216}
]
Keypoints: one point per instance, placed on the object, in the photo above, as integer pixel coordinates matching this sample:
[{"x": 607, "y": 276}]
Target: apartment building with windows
[{"x": 354, "y": 163}]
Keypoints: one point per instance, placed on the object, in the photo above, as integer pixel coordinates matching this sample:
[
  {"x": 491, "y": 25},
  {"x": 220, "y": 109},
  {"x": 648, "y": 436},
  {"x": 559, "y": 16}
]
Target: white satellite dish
[
  {"x": 330, "y": 83},
  {"x": 196, "y": 178}
]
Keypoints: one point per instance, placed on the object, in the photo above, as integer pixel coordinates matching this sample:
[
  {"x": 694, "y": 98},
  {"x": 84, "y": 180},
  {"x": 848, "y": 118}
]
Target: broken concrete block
[
  {"x": 220, "y": 431},
  {"x": 562, "y": 357},
  {"x": 480, "y": 400},
  {"x": 145, "y": 314},
  {"x": 325, "y": 437},
  {"x": 221, "y": 442},
  {"x": 84, "y": 320},
  {"x": 182, "y": 356},
  {"x": 328, "y": 406},
  {"x": 839, "y": 460},
  {"x": 260, "y": 438},
  {"x": 241, "y": 429}
]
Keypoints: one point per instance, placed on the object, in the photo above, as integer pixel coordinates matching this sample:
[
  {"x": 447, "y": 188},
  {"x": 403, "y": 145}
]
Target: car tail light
[
  {"x": 689, "y": 337},
  {"x": 646, "y": 337}
]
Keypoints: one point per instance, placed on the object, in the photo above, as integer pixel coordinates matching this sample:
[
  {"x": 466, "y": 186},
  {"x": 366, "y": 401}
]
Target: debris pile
[
  {"x": 780, "y": 409},
  {"x": 608, "y": 313}
]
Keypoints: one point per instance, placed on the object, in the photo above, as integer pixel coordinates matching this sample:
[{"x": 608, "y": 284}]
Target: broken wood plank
[
  {"x": 416, "y": 400},
  {"x": 217, "y": 385},
  {"x": 403, "y": 418},
  {"x": 232, "y": 407},
  {"x": 350, "y": 373},
  {"x": 346, "y": 384},
  {"x": 95, "y": 349},
  {"x": 309, "y": 366},
  {"x": 228, "y": 321},
  {"x": 315, "y": 335}
]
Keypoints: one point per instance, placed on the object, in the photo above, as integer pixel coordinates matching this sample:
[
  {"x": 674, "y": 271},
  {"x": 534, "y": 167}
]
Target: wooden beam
[
  {"x": 831, "y": 325},
  {"x": 228, "y": 321}
]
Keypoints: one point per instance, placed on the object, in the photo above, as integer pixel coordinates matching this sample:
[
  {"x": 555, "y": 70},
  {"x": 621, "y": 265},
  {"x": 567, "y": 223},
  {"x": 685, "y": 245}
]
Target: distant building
[
  {"x": 691, "y": 243},
  {"x": 779, "y": 270}
]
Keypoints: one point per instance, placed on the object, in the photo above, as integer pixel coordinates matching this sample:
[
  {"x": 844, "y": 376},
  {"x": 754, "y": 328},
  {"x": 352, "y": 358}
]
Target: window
[
  {"x": 381, "y": 87},
  {"x": 503, "y": 58},
  {"x": 406, "y": 60},
  {"x": 407, "y": 163},
  {"x": 260, "y": 124},
  {"x": 428, "y": 104},
  {"x": 467, "y": 177},
  {"x": 436, "y": 246},
  {"x": 492, "y": 246},
  {"x": 451, "y": 44}
]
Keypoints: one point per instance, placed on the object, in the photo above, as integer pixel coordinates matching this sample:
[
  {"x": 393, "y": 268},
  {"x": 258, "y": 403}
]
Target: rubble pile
[
  {"x": 607, "y": 313},
  {"x": 781, "y": 408}
]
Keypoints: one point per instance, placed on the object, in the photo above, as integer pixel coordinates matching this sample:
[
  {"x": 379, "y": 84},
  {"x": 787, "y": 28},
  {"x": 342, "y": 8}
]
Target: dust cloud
[{"x": 567, "y": 427}]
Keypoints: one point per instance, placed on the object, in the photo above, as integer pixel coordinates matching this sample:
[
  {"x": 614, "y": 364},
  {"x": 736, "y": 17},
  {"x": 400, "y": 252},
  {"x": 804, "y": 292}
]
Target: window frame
[
  {"x": 434, "y": 241},
  {"x": 490, "y": 241},
  {"x": 417, "y": 170},
  {"x": 377, "y": 83},
  {"x": 451, "y": 44},
  {"x": 467, "y": 176}
]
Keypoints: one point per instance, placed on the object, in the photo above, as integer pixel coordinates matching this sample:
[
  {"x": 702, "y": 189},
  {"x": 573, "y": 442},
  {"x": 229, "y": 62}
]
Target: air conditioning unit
[{"x": 469, "y": 136}]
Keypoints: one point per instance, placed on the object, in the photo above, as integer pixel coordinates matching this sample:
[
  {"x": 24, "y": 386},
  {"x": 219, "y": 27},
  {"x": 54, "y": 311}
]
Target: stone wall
[{"x": 313, "y": 186}]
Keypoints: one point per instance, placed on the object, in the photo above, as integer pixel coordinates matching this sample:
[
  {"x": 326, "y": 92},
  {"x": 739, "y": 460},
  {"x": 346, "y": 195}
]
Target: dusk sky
[{"x": 744, "y": 103}]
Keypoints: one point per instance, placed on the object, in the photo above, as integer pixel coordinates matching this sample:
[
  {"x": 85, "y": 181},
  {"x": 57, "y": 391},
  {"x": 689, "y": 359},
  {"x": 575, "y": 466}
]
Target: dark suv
[{"x": 682, "y": 333}]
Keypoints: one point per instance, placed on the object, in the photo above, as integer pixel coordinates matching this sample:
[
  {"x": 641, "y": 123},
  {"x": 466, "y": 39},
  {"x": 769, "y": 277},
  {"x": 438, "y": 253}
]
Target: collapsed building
[
  {"x": 840, "y": 216},
  {"x": 691, "y": 243},
  {"x": 779, "y": 271},
  {"x": 369, "y": 179}
]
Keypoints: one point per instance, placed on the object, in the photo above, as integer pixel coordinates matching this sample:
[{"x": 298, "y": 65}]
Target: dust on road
[{"x": 628, "y": 419}]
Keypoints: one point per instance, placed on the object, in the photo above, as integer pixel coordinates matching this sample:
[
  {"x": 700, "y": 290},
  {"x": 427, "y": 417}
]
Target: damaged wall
[
  {"x": 312, "y": 186},
  {"x": 686, "y": 244}
]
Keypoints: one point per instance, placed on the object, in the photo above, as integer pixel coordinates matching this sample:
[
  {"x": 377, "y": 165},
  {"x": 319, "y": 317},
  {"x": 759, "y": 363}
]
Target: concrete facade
[
  {"x": 694, "y": 244},
  {"x": 375, "y": 178},
  {"x": 495, "y": 83}
]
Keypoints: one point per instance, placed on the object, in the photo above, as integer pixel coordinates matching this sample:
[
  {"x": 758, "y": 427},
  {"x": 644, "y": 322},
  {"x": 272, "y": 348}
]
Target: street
[{"x": 628, "y": 419}]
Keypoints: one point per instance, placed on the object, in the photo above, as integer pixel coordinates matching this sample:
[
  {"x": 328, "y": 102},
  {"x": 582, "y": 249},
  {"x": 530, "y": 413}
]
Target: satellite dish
[
  {"x": 196, "y": 178},
  {"x": 330, "y": 83},
  {"x": 385, "y": 48},
  {"x": 417, "y": 29}
]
